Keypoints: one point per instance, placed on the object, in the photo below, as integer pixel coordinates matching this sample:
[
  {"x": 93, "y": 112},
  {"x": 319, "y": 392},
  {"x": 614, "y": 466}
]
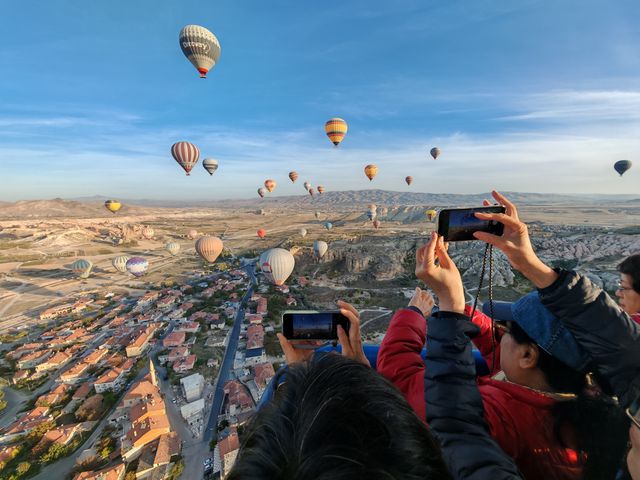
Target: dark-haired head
[
  {"x": 334, "y": 418},
  {"x": 628, "y": 291}
]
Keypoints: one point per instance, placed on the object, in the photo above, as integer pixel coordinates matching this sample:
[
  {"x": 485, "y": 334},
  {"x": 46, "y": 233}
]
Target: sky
[{"x": 529, "y": 96}]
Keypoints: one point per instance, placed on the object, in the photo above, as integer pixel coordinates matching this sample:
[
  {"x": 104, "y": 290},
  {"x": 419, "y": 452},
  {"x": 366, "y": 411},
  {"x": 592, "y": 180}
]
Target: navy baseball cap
[{"x": 542, "y": 327}]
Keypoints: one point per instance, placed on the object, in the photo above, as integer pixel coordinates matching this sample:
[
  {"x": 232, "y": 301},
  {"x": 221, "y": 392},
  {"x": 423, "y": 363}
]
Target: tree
[
  {"x": 55, "y": 451},
  {"x": 22, "y": 468}
]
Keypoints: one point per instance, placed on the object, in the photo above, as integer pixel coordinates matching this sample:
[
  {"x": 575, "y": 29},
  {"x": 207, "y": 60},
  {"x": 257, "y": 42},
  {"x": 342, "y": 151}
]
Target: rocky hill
[{"x": 59, "y": 208}]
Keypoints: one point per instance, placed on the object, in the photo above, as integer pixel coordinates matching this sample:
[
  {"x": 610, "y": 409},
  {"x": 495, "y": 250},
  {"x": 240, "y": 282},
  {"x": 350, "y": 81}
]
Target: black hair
[
  {"x": 600, "y": 424},
  {"x": 631, "y": 266},
  {"x": 334, "y": 419}
]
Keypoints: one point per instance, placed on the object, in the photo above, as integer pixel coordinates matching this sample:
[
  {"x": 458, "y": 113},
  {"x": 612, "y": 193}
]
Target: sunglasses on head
[{"x": 633, "y": 412}]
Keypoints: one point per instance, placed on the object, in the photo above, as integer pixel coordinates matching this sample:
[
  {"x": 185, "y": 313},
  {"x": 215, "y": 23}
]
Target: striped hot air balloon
[
  {"x": 210, "y": 165},
  {"x": 320, "y": 189},
  {"x": 371, "y": 171},
  {"x": 186, "y": 154},
  {"x": 435, "y": 152},
  {"x": 409, "y": 180},
  {"x": 209, "y": 248},
  {"x": 270, "y": 185},
  {"x": 336, "y": 129},
  {"x": 277, "y": 264},
  {"x": 112, "y": 205},
  {"x": 201, "y": 47},
  {"x": 148, "y": 233},
  {"x": 173, "y": 248},
  {"x": 311, "y": 191},
  {"x": 320, "y": 248},
  {"x": 137, "y": 266},
  {"x": 82, "y": 268},
  {"x": 293, "y": 176},
  {"x": 192, "y": 234},
  {"x": 120, "y": 263}
]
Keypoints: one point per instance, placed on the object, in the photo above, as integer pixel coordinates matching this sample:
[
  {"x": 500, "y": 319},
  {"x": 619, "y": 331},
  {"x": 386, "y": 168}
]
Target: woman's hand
[
  {"x": 298, "y": 355},
  {"x": 515, "y": 243},
  {"x": 352, "y": 342},
  {"x": 442, "y": 277},
  {"x": 423, "y": 301}
]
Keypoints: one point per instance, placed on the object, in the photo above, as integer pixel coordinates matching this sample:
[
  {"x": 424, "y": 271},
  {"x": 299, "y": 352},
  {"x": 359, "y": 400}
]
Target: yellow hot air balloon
[
  {"x": 209, "y": 248},
  {"x": 371, "y": 171},
  {"x": 431, "y": 215},
  {"x": 112, "y": 205},
  {"x": 336, "y": 129},
  {"x": 270, "y": 185}
]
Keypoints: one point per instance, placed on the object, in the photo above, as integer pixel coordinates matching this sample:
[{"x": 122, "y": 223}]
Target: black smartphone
[
  {"x": 458, "y": 224},
  {"x": 313, "y": 325}
]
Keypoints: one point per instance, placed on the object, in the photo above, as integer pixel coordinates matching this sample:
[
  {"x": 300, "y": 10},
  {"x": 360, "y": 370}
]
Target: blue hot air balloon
[
  {"x": 622, "y": 166},
  {"x": 328, "y": 225}
]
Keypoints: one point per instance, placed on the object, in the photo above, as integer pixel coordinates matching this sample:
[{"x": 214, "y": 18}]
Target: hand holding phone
[
  {"x": 313, "y": 325},
  {"x": 459, "y": 224}
]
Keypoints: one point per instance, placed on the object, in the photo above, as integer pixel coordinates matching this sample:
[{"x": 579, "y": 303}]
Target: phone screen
[
  {"x": 313, "y": 325},
  {"x": 458, "y": 224}
]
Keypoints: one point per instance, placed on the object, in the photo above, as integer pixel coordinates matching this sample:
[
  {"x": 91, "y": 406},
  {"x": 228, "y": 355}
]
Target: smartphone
[
  {"x": 458, "y": 224},
  {"x": 313, "y": 325}
]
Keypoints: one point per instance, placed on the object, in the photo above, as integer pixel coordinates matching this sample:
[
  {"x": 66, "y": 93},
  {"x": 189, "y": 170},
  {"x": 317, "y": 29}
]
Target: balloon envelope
[
  {"x": 209, "y": 248},
  {"x": 307, "y": 185},
  {"x": 371, "y": 171},
  {"x": 186, "y": 154},
  {"x": 431, "y": 214},
  {"x": 270, "y": 185},
  {"x": 262, "y": 233},
  {"x": 201, "y": 47},
  {"x": 120, "y": 263},
  {"x": 210, "y": 165},
  {"x": 320, "y": 189},
  {"x": 409, "y": 180},
  {"x": 293, "y": 176},
  {"x": 137, "y": 266},
  {"x": 112, "y": 205},
  {"x": 336, "y": 129},
  {"x": 148, "y": 233},
  {"x": 317, "y": 214},
  {"x": 303, "y": 232},
  {"x": 192, "y": 234},
  {"x": 262, "y": 192},
  {"x": 277, "y": 264},
  {"x": 376, "y": 223},
  {"x": 320, "y": 248},
  {"x": 435, "y": 152},
  {"x": 328, "y": 225},
  {"x": 173, "y": 248},
  {"x": 622, "y": 166},
  {"x": 311, "y": 192},
  {"x": 82, "y": 268}
]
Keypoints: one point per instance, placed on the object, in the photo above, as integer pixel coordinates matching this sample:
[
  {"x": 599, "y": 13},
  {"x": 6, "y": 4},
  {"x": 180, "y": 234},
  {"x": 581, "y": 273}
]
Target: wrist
[{"x": 540, "y": 274}]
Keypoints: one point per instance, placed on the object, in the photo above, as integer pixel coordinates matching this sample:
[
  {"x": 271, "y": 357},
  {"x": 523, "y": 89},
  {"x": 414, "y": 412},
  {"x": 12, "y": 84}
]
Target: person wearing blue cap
[{"x": 537, "y": 413}]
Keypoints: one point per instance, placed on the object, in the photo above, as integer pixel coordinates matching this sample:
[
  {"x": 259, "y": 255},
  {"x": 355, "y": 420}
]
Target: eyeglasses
[
  {"x": 500, "y": 329},
  {"x": 623, "y": 289},
  {"x": 633, "y": 412}
]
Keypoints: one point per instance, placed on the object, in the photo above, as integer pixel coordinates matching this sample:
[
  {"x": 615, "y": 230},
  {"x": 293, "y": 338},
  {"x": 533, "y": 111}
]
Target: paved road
[
  {"x": 195, "y": 454},
  {"x": 15, "y": 400}
]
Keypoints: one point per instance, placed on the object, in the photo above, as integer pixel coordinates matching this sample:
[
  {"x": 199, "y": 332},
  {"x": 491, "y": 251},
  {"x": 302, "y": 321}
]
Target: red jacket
[{"x": 520, "y": 419}]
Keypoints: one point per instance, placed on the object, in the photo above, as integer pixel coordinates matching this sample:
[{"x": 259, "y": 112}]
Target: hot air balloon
[
  {"x": 277, "y": 264},
  {"x": 376, "y": 224},
  {"x": 307, "y": 186},
  {"x": 373, "y": 207},
  {"x": 371, "y": 215},
  {"x": 173, "y": 248},
  {"x": 293, "y": 176},
  {"x": 186, "y": 154},
  {"x": 311, "y": 192},
  {"x": 192, "y": 234},
  {"x": 270, "y": 185},
  {"x": 435, "y": 152},
  {"x": 201, "y": 47},
  {"x": 120, "y": 263},
  {"x": 137, "y": 266},
  {"x": 409, "y": 180},
  {"x": 320, "y": 248},
  {"x": 336, "y": 129},
  {"x": 384, "y": 211},
  {"x": 622, "y": 166},
  {"x": 370, "y": 171},
  {"x": 317, "y": 214},
  {"x": 82, "y": 268},
  {"x": 148, "y": 233},
  {"x": 320, "y": 189},
  {"x": 262, "y": 192},
  {"x": 303, "y": 232},
  {"x": 262, "y": 233},
  {"x": 262, "y": 211},
  {"x": 112, "y": 205},
  {"x": 431, "y": 215},
  {"x": 209, "y": 248},
  {"x": 210, "y": 165},
  {"x": 328, "y": 225}
]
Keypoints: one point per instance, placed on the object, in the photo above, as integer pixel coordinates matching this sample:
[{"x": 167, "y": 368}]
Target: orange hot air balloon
[
  {"x": 270, "y": 185},
  {"x": 320, "y": 189},
  {"x": 209, "y": 248},
  {"x": 336, "y": 129},
  {"x": 409, "y": 180},
  {"x": 293, "y": 176},
  {"x": 376, "y": 224},
  {"x": 371, "y": 171},
  {"x": 262, "y": 233}
]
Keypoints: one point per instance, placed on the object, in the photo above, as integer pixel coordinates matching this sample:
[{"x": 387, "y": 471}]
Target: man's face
[
  {"x": 628, "y": 298},
  {"x": 633, "y": 457}
]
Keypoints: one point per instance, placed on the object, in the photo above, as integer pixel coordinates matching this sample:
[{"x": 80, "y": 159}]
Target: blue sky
[{"x": 538, "y": 96}]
